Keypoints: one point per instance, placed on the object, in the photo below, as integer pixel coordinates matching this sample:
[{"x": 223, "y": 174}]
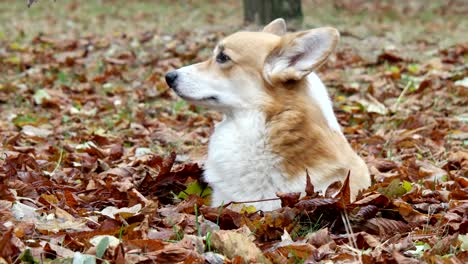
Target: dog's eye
[{"x": 222, "y": 58}]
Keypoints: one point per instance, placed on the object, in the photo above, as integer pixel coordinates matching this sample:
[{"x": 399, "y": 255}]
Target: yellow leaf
[
  {"x": 340, "y": 98},
  {"x": 248, "y": 209},
  {"x": 407, "y": 186}
]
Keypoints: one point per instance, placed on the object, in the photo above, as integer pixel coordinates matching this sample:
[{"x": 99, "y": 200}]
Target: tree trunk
[{"x": 262, "y": 12}]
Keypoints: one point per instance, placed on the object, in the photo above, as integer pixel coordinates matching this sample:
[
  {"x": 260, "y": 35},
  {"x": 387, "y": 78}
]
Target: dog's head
[{"x": 245, "y": 66}]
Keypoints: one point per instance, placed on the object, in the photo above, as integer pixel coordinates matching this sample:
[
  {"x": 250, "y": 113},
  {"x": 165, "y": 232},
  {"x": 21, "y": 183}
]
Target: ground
[{"x": 100, "y": 160}]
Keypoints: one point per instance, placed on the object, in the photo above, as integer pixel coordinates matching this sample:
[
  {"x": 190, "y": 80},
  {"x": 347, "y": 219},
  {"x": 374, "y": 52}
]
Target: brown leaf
[
  {"x": 311, "y": 204},
  {"x": 390, "y": 56},
  {"x": 119, "y": 254},
  {"x": 384, "y": 227},
  {"x": 385, "y": 165},
  {"x": 5, "y": 193},
  {"x": 373, "y": 198},
  {"x": 309, "y": 190},
  {"x": 273, "y": 224},
  {"x": 70, "y": 199},
  {"x": 444, "y": 245},
  {"x": 73, "y": 243},
  {"x": 238, "y": 260},
  {"x": 49, "y": 252},
  {"x": 226, "y": 218},
  {"x": 188, "y": 205},
  {"x": 166, "y": 181},
  {"x": 333, "y": 189},
  {"x": 8, "y": 249},
  {"x": 116, "y": 151},
  {"x": 146, "y": 244},
  {"x": 371, "y": 241},
  {"x": 195, "y": 259},
  {"x": 288, "y": 199},
  {"x": 400, "y": 259},
  {"x": 367, "y": 212},
  {"x": 319, "y": 238},
  {"x": 298, "y": 250},
  {"x": 344, "y": 194},
  {"x": 172, "y": 254},
  {"x": 409, "y": 213},
  {"x": 6, "y": 213}
]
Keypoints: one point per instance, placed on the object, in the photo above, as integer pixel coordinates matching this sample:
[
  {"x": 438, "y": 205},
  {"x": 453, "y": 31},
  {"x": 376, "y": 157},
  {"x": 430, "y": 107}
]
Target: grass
[
  {"x": 307, "y": 226},
  {"x": 403, "y": 22},
  {"x": 112, "y": 16}
]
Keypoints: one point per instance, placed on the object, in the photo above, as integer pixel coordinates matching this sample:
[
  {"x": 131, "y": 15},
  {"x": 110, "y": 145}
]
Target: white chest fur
[{"x": 240, "y": 166}]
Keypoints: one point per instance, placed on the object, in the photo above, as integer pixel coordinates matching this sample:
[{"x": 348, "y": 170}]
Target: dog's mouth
[
  {"x": 203, "y": 99},
  {"x": 193, "y": 99}
]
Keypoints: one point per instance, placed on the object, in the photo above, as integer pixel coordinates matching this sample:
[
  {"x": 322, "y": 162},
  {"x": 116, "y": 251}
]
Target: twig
[
  {"x": 349, "y": 230},
  {"x": 58, "y": 162},
  {"x": 254, "y": 201},
  {"x": 398, "y": 101}
]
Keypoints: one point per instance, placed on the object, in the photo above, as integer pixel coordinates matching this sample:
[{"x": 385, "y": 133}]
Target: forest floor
[{"x": 99, "y": 160}]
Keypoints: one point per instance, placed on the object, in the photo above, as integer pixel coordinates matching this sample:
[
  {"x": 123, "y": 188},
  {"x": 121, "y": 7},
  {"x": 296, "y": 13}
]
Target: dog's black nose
[{"x": 171, "y": 78}]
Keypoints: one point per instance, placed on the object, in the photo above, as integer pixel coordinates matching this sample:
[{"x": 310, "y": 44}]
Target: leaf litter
[{"x": 100, "y": 161}]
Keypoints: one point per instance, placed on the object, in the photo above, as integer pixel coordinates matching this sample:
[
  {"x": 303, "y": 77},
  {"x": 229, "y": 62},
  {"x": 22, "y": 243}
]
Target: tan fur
[
  {"x": 247, "y": 50},
  {"x": 277, "y": 27},
  {"x": 301, "y": 136},
  {"x": 288, "y": 40}
]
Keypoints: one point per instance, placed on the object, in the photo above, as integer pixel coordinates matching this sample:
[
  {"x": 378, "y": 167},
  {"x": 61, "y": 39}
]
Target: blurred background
[
  {"x": 399, "y": 21},
  {"x": 367, "y": 26}
]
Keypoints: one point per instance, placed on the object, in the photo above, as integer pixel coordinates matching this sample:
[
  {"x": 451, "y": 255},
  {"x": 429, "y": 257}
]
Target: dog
[{"x": 278, "y": 122}]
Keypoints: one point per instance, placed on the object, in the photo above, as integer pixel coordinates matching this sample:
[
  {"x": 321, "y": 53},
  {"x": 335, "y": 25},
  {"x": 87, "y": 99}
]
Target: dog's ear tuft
[
  {"x": 300, "y": 53},
  {"x": 277, "y": 27}
]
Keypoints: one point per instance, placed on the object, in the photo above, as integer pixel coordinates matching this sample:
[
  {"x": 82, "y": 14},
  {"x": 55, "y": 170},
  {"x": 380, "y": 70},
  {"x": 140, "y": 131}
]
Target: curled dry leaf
[
  {"x": 309, "y": 190},
  {"x": 288, "y": 199},
  {"x": 111, "y": 211},
  {"x": 319, "y": 238},
  {"x": 233, "y": 244},
  {"x": 409, "y": 213},
  {"x": 228, "y": 219},
  {"x": 373, "y": 198},
  {"x": 367, "y": 212}
]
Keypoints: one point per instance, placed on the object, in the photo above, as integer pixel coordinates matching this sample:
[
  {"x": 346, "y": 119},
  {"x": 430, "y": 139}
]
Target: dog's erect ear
[
  {"x": 277, "y": 27},
  {"x": 300, "y": 53}
]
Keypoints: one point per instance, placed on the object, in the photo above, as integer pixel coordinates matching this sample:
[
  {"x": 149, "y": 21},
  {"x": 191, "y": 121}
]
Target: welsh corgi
[{"x": 278, "y": 123}]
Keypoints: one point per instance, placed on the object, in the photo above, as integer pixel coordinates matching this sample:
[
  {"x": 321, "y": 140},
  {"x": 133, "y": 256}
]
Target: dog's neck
[
  {"x": 294, "y": 127},
  {"x": 299, "y": 131}
]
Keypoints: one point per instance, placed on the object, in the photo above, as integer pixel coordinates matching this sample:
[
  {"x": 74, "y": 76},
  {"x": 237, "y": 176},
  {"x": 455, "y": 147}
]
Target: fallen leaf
[
  {"x": 111, "y": 211},
  {"x": 232, "y": 244}
]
